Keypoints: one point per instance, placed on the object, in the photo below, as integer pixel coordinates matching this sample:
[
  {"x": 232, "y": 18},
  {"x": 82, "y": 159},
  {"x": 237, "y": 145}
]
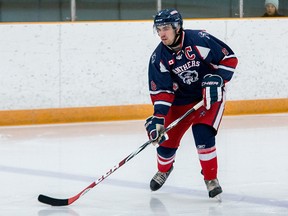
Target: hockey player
[{"x": 186, "y": 67}]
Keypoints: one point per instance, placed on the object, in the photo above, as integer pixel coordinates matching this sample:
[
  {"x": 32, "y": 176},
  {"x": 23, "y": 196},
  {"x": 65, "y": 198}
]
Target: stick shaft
[{"x": 63, "y": 202}]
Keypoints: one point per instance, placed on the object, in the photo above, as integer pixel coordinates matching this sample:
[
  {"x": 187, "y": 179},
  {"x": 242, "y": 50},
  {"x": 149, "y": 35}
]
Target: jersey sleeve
[
  {"x": 160, "y": 85},
  {"x": 217, "y": 54}
]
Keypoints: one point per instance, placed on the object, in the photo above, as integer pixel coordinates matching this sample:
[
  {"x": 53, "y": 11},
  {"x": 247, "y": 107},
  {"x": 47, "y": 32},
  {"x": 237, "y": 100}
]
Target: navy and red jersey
[{"x": 175, "y": 77}]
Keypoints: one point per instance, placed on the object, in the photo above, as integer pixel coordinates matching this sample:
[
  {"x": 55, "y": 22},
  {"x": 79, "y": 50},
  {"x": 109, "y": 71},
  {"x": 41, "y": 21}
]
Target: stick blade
[{"x": 52, "y": 201}]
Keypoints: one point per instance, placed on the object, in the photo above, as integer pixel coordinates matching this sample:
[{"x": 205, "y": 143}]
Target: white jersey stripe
[
  {"x": 161, "y": 91},
  {"x": 229, "y": 56},
  {"x": 226, "y": 68},
  {"x": 162, "y": 103}
]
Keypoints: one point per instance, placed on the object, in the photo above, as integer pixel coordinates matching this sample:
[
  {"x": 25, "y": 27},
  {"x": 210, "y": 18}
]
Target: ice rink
[{"x": 61, "y": 160}]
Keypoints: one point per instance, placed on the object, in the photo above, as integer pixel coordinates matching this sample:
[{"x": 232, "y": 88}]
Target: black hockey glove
[
  {"x": 155, "y": 129},
  {"x": 212, "y": 90}
]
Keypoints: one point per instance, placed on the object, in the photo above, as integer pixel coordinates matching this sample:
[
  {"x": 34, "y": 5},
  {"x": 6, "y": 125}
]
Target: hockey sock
[
  {"x": 165, "y": 158},
  {"x": 209, "y": 167},
  {"x": 204, "y": 136}
]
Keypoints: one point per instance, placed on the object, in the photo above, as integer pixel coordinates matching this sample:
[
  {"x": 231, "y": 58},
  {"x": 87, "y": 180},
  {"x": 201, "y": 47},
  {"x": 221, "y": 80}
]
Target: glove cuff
[
  {"x": 211, "y": 80},
  {"x": 158, "y": 120}
]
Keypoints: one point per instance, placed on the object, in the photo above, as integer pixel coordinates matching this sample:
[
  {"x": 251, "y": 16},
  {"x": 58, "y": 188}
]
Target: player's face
[
  {"x": 166, "y": 33},
  {"x": 270, "y": 9}
]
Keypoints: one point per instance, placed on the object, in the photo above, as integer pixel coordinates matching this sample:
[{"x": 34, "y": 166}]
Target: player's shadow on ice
[
  {"x": 58, "y": 211},
  {"x": 157, "y": 207}
]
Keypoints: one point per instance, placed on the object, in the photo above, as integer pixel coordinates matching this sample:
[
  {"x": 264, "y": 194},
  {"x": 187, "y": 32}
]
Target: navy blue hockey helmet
[{"x": 168, "y": 16}]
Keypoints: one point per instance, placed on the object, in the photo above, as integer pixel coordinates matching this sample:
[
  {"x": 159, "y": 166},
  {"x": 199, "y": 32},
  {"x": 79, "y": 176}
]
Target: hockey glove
[
  {"x": 155, "y": 129},
  {"x": 212, "y": 90}
]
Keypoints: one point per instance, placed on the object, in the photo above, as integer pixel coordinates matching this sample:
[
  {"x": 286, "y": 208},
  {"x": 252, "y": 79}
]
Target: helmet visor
[{"x": 156, "y": 26}]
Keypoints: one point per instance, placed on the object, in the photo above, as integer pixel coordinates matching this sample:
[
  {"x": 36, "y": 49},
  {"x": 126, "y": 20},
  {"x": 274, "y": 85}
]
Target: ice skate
[
  {"x": 214, "y": 189},
  {"x": 159, "y": 179}
]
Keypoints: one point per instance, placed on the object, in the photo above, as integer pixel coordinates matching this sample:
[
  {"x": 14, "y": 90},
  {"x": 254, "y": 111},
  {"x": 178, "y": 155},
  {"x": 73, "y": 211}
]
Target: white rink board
[{"x": 105, "y": 63}]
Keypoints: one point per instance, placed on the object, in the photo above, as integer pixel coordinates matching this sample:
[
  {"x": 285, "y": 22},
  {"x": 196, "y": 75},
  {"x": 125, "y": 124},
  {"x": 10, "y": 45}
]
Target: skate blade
[{"x": 218, "y": 198}]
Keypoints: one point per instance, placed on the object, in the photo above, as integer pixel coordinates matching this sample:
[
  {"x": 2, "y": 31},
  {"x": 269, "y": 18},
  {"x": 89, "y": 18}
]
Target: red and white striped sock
[
  {"x": 164, "y": 164},
  {"x": 208, "y": 161}
]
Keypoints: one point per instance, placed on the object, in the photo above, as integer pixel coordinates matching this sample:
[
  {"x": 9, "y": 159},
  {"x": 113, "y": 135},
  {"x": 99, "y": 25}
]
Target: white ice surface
[{"x": 61, "y": 160}]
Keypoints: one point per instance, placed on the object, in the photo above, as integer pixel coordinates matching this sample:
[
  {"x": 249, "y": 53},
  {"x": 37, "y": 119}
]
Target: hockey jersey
[{"x": 175, "y": 77}]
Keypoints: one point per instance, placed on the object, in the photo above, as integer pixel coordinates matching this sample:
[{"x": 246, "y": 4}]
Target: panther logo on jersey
[{"x": 189, "y": 77}]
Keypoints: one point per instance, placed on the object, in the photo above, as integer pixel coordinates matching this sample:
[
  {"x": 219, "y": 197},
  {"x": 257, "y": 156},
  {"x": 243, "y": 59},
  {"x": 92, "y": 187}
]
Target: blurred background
[{"x": 84, "y": 10}]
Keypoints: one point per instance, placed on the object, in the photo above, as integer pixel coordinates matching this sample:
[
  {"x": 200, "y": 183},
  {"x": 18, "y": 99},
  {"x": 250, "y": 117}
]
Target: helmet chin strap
[{"x": 177, "y": 40}]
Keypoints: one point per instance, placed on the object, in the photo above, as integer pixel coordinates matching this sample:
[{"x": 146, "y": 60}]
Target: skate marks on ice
[
  {"x": 58, "y": 211},
  {"x": 202, "y": 194}
]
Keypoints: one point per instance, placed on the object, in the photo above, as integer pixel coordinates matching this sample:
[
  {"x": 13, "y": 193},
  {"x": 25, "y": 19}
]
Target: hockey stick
[{"x": 64, "y": 202}]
